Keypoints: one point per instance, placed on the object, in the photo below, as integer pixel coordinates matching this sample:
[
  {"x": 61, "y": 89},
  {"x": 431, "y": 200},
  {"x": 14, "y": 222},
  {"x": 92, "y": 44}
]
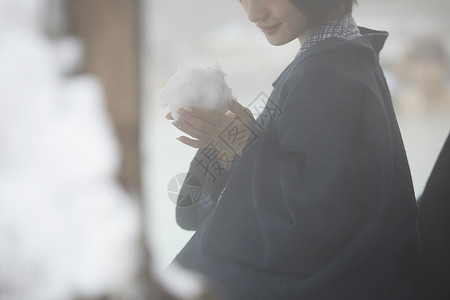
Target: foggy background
[{"x": 86, "y": 155}]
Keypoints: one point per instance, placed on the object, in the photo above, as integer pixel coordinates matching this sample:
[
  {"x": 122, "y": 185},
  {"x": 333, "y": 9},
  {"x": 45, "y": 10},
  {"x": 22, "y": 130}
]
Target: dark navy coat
[
  {"x": 434, "y": 224},
  {"x": 320, "y": 205}
]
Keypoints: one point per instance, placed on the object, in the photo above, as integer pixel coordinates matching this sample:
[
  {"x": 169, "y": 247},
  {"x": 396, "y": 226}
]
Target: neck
[
  {"x": 339, "y": 12},
  {"x": 305, "y": 35}
]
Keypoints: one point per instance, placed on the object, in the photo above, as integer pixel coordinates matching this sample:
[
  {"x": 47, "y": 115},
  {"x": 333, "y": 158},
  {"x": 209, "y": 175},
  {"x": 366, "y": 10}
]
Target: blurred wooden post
[{"x": 111, "y": 33}]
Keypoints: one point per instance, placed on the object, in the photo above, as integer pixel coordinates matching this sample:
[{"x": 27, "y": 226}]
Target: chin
[
  {"x": 280, "y": 38},
  {"x": 278, "y": 42}
]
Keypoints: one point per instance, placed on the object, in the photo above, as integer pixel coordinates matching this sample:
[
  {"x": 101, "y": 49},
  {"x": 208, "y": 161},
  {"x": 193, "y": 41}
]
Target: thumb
[{"x": 239, "y": 109}]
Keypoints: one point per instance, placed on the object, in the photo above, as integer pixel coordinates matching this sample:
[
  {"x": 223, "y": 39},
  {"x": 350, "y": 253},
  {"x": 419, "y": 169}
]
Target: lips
[{"x": 269, "y": 29}]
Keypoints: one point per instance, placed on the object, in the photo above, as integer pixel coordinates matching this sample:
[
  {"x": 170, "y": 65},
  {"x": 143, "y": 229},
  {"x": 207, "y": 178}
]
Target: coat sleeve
[
  {"x": 201, "y": 188},
  {"x": 334, "y": 168},
  {"x": 317, "y": 131}
]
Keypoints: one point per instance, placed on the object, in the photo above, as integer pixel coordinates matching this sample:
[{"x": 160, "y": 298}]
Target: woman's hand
[{"x": 227, "y": 133}]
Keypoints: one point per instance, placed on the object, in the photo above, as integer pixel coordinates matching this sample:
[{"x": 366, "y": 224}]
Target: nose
[{"x": 256, "y": 10}]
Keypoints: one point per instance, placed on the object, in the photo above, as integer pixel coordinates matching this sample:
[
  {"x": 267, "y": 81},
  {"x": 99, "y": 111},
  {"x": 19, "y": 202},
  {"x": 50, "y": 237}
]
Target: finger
[
  {"x": 208, "y": 116},
  {"x": 200, "y": 124},
  {"x": 191, "y": 142},
  {"x": 191, "y": 130},
  {"x": 239, "y": 109},
  {"x": 169, "y": 116}
]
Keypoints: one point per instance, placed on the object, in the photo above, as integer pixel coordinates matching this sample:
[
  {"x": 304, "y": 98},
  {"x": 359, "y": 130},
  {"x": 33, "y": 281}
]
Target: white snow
[
  {"x": 201, "y": 86},
  {"x": 66, "y": 226}
]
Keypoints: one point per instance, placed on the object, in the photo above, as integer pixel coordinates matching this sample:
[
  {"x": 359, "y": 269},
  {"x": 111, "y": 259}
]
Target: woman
[{"x": 314, "y": 199}]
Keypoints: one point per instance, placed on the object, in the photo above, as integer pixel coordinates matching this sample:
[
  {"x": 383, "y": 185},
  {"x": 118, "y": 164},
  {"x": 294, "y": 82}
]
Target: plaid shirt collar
[{"x": 343, "y": 28}]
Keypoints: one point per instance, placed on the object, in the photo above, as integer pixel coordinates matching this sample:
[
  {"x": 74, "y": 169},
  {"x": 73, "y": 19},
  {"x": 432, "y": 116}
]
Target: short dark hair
[{"x": 319, "y": 10}]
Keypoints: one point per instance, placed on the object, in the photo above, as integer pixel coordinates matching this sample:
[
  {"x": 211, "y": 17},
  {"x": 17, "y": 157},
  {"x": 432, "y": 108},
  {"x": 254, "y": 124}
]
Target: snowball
[{"x": 203, "y": 87}]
